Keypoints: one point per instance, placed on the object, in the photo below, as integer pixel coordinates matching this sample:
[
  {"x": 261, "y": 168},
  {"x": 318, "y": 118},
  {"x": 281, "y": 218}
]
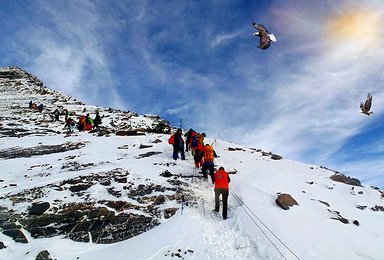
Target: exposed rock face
[
  {"x": 12, "y": 230},
  {"x": 39, "y": 208},
  {"x": 18, "y": 152},
  {"x": 285, "y": 201},
  {"x": 102, "y": 221},
  {"x": 344, "y": 179}
]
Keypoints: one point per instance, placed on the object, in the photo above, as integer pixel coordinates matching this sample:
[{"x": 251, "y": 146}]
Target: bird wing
[
  {"x": 265, "y": 41},
  {"x": 368, "y": 102},
  {"x": 260, "y": 28}
]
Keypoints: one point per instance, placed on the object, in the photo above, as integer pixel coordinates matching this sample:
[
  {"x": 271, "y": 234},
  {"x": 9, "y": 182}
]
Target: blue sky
[{"x": 198, "y": 61}]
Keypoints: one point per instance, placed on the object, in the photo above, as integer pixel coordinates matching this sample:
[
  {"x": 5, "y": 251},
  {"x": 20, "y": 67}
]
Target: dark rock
[
  {"x": 166, "y": 174},
  {"x": 266, "y": 154},
  {"x": 12, "y": 230},
  {"x": 147, "y": 155},
  {"x": 377, "y": 208},
  {"x": 361, "y": 207},
  {"x": 129, "y": 133},
  {"x": 159, "y": 200},
  {"x": 169, "y": 212},
  {"x": 157, "y": 141},
  {"x": 344, "y": 179},
  {"x": 231, "y": 149},
  {"x": 356, "y": 222},
  {"x": 177, "y": 182},
  {"x": 310, "y": 182},
  {"x": 285, "y": 201},
  {"x": 276, "y": 157},
  {"x": 343, "y": 220},
  {"x": 338, "y": 217},
  {"x": 39, "y": 208},
  {"x": 161, "y": 126},
  {"x": 143, "y": 146},
  {"x": 325, "y": 203},
  {"x": 121, "y": 179},
  {"x": 44, "y": 255},
  {"x": 19, "y": 152},
  {"x": 80, "y": 187},
  {"x": 2, "y": 246}
]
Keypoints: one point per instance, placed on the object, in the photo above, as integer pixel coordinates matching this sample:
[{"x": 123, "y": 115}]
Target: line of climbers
[
  {"x": 34, "y": 106},
  {"x": 204, "y": 156},
  {"x": 85, "y": 123}
]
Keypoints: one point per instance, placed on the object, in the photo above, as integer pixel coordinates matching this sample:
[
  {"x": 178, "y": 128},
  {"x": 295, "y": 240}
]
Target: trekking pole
[
  {"x": 214, "y": 141},
  {"x": 182, "y": 204}
]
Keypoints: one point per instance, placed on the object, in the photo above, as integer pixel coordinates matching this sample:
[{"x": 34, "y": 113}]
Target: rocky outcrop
[
  {"x": 344, "y": 179},
  {"x": 101, "y": 221},
  {"x": 19, "y": 152},
  {"x": 285, "y": 201},
  {"x": 13, "y": 230}
]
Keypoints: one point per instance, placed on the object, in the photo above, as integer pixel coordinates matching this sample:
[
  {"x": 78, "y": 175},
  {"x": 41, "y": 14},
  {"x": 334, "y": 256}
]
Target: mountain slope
[{"x": 128, "y": 191}]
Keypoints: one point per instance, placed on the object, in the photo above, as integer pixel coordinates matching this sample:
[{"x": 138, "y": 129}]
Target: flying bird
[
  {"x": 367, "y": 106},
  {"x": 265, "y": 37}
]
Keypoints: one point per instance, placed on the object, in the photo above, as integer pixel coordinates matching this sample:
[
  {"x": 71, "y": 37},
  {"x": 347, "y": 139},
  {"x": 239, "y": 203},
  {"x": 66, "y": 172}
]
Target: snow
[{"x": 195, "y": 232}]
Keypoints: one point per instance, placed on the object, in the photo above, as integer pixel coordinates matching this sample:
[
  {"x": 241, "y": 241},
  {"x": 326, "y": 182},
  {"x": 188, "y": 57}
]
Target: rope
[{"x": 238, "y": 199}]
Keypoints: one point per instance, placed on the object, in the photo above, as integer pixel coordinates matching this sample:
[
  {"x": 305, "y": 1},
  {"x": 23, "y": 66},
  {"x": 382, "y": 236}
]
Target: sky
[{"x": 197, "y": 61}]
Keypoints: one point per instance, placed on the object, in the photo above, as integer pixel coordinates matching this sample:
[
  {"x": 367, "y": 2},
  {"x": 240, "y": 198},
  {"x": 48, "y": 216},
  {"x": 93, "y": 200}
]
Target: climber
[
  {"x": 209, "y": 155},
  {"x": 178, "y": 144},
  {"x": 56, "y": 114},
  {"x": 221, "y": 181}
]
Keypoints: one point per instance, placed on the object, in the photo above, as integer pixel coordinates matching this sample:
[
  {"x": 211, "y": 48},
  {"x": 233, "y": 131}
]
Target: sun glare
[{"x": 361, "y": 27}]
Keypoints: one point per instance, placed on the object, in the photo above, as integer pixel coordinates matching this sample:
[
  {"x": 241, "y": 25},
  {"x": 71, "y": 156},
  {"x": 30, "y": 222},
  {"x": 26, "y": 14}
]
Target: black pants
[
  {"x": 198, "y": 155},
  {"x": 176, "y": 150},
  {"x": 211, "y": 170},
  {"x": 224, "y": 193}
]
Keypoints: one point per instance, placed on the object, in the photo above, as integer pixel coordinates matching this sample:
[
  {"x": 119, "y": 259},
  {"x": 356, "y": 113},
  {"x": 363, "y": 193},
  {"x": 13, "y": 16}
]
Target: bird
[
  {"x": 265, "y": 37},
  {"x": 365, "y": 107}
]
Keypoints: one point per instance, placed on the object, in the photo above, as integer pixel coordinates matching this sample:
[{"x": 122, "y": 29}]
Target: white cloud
[
  {"x": 178, "y": 110},
  {"x": 221, "y": 38}
]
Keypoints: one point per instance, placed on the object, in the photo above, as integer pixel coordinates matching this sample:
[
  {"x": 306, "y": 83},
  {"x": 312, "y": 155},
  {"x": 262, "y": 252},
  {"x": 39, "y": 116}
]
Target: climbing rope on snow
[{"x": 248, "y": 211}]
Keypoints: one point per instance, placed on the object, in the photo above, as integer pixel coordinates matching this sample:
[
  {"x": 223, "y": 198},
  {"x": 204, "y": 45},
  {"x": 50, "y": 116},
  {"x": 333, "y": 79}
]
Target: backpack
[
  {"x": 172, "y": 139},
  {"x": 208, "y": 153},
  {"x": 195, "y": 141}
]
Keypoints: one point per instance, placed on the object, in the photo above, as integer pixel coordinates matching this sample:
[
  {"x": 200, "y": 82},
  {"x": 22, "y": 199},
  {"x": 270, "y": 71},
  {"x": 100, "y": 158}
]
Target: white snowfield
[{"x": 256, "y": 227}]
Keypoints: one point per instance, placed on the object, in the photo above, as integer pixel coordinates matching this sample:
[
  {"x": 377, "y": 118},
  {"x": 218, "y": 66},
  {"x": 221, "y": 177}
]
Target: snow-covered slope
[{"x": 129, "y": 191}]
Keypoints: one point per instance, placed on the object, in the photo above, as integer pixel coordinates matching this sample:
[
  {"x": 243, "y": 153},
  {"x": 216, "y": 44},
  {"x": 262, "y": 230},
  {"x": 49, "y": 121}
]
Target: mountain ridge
[{"x": 122, "y": 185}]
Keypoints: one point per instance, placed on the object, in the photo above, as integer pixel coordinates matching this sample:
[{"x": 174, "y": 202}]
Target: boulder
[
  {"x": 159, "y": 200},
  {"x": 39, "y": 208},
  {"x": 143, "y": 146},
  {"x": 44, "y": 255},
  {"x": 276, "y": 157},
  {"x": 12, "y": 230},
  {"x": 2, "y": 246},
  {"x": 285, "y": 201},
  {"x": 344, "y": 179},
  {"x": 166, "y": 174},
  {"x": 377, "y": 208}
]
